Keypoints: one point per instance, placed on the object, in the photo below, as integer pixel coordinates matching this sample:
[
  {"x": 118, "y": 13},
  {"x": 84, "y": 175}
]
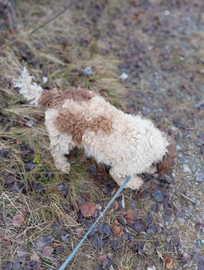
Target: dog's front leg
[
  {"x": 120, "y": 175},
  {"x": 59, "y": 148}
]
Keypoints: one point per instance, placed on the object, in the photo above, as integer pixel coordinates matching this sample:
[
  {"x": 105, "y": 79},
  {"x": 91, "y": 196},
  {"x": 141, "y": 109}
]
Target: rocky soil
[{"x": 159, "y": 48}]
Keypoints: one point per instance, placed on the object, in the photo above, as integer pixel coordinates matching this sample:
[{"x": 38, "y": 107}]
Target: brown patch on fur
[
  {"x": 166, "y": 163},
  {"x": 75, "y": 125},
  {"x": 54, "y": 98}
]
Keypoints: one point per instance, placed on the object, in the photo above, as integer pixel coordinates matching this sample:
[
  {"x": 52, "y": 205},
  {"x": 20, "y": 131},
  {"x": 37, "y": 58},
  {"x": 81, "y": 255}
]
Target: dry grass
[{"x": 54, "y": 52}]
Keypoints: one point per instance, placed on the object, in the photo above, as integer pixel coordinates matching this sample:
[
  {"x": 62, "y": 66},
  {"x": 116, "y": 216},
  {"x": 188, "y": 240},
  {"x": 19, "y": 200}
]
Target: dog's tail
[{"x": 31, "y": 91}]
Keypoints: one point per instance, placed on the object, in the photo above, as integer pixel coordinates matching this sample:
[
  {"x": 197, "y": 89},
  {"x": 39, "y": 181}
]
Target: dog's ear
[{"x": 167, "y": 161}]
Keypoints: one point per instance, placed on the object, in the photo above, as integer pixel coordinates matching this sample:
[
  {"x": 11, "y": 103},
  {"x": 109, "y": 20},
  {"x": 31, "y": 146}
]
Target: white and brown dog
[{"x": 131, "y": 145}]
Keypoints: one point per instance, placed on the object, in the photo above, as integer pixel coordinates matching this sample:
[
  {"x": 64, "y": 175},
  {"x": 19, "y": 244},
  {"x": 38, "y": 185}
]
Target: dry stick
[
  {"x": 186, "y": 197},
  {"x": 11, "y": 14},
  {"x": 41, "y": 26}
]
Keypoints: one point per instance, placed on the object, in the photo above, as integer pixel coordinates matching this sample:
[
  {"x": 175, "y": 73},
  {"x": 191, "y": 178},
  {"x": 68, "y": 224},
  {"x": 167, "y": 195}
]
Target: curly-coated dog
[{"x": 131, "y": 145}]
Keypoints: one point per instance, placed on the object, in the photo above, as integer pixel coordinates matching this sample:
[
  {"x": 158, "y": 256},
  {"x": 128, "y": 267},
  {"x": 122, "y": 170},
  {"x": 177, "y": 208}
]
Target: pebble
[
  {"x": 60, "y": 187},
  {"x": 3, "y": 154},
  {"x": 154, "y": 207},
  {"x": 133, "y": 205},
  {"x": 193, "y": 167},
  {"x": 199, "y": 177},
  {"x": 178, "y": 148},
  {"x": 92, "y": 168},
  {"x": 197, "y": 143},
  {"x": 181, "y": 221},
  {"x": 149, "y": 218},
  {"x": 187, "y": 212},
  {"x": 167, "y": 177},
  {"x": 198, "y": 203},
  {"x": 145, "y": 111},
  {"x": 186, "y": 168},
  {"x": 135, "y": 81},
  {"x": 183, "y": 160}
]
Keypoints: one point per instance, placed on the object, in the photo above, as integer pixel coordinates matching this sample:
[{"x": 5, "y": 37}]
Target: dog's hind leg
[{"x": 60, "y": 144}]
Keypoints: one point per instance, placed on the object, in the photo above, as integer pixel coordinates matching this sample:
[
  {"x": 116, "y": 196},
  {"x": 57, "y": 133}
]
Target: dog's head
[{"x": 167, "y": 161}]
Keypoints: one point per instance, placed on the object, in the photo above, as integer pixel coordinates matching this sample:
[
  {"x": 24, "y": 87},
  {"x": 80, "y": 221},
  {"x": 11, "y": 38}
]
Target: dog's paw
[
  {"x": 64, "y": 167},
  {"x": 134, "y": 183}
]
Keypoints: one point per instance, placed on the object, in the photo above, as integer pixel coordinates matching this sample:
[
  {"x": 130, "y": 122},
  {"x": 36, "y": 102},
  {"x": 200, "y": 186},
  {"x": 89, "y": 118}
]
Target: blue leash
[{"x": 82, "y": 240}]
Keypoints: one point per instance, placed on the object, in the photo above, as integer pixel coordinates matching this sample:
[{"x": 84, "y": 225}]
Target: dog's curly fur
[{"x": 78, "y": 117}]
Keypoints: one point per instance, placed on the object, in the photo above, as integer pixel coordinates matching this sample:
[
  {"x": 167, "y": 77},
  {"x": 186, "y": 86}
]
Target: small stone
[
  {"x": 65, "y": 237},
  {"x": 3, "y": 154},
  {"x": 145, "y": 111},
  {"x": 186, "y": 168},
  {"x": 157, "y": 195},
  {"x": 183, "y": 160},
  {"x": 149, "y": 218},
  {"x": 125, "y": 236},
  {"x": 197, "y": 143},
  {"x": 199, "y": 177},
  {"x": 180, "y": 214},
  {"x": 131, "y": 236},
  {"x": 123, "y": 77},
  {"x": 187, "y": 212},
  {"x": 114, "y": 245},
  {"x": 193, "y": 167},
  {"x": 60, "y": 187},
  {"x": 181, "y": 221},
  {"x": 139, "y": 226},
  {"x": 168, "y": 247},
  {"x": 198, "y": 202},
  {"x": 59, "y": 250},
  {"x": 88, "y": 71},
  {"x": 97, "y": 243},
  {"x": 178, "y": 148},
  {"x": 92, "y": 168},
  {"x": 165, "y": 230},
  {"x": 151, "y": 230},
  {"x": 135, "y": 81},
  {"x": 154, "y": 207},
  {"x": 133, "y": 205},
  {"x": 104, "y": 228}
]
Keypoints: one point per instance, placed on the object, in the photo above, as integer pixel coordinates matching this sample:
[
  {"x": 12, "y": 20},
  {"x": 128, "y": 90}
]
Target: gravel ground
[{"x": 160, "y": 45}]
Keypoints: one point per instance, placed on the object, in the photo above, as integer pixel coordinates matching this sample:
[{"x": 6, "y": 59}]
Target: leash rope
[{"x": 62, "y": 267}]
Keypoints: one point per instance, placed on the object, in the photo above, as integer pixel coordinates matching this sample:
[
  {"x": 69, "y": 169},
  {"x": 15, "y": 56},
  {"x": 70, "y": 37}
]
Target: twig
[
  {"x": 11, "y": 13},
  {"x": 186, "y": 197},
  {"x": 3, "y": 194},
  {"x": 67, "y": 7}
]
